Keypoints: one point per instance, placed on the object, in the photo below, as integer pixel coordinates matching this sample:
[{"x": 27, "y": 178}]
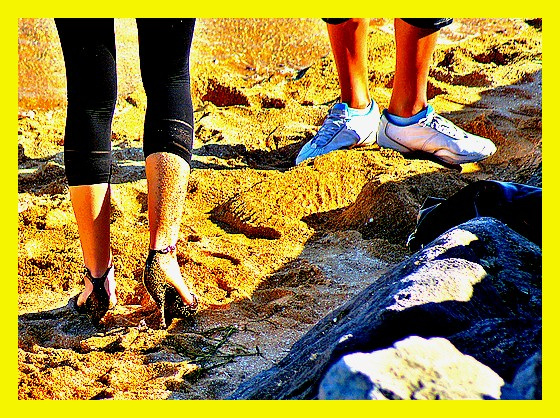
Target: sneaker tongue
[{"x": 429, "y": 111}]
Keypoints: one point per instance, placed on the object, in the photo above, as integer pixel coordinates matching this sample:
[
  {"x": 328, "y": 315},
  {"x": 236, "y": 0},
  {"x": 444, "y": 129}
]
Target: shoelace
[
  {"x": 443, "y": 125},
  {"x": 332, "y": 124}
]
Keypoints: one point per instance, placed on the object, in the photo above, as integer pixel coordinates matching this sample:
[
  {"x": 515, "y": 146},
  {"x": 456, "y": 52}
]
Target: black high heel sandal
[
  {"x": 168, "y": 300},
  {"x": 98, "y": 302}
]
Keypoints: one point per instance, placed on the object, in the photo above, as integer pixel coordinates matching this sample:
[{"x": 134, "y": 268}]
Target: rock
[
  {"x": 476, "y": 275},
  {"x": 527, "y": 383},
  {"x": 49, "y": 178},
  {"x": 222, "y": 94},
  {"x": 501, "y": 344},
  {"x": 21, "y": 154},
  {"x": 528, "y": 380},
  {"x": 416, "y": 368}
]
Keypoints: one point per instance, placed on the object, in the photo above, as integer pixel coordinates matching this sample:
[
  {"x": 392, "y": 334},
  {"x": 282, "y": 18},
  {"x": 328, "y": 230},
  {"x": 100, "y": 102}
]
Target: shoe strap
[
  {"x": 91, "y": 278},
  {"x": 98, "y": 282}
]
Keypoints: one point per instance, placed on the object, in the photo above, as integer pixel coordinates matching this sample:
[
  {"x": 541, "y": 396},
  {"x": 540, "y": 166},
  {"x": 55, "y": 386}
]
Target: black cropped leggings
[{"x": 89, "y": 52}]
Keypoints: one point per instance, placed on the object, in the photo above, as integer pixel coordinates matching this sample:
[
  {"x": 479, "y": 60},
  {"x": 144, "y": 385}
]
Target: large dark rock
[{"x": 473, "y": 280}]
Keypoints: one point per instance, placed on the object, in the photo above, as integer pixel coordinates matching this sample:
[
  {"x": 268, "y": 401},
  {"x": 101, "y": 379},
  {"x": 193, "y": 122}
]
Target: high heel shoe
[
  {"x": 167, "y": 298},
  {"x": 99, "y": 301}
]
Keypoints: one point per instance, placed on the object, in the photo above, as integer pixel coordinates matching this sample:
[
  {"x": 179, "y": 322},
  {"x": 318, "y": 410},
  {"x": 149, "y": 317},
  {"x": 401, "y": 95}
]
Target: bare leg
[
  {"x": 167, "y": 176},
  {"x": 349, "y": 46},
  {"x": 415, "y": 47},
  {"x": 92, "y": 209}
]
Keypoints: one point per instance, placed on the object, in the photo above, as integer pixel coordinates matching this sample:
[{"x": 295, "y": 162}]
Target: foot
[
  {"x": 109, "y": 284},
  {"x": 342, "y": 129},
  {"x": 175, "y": 278},
  {"x": 434, "y": 135},
  {"x": 164, "y": 283},
  {"x": 98, "y": 296}
]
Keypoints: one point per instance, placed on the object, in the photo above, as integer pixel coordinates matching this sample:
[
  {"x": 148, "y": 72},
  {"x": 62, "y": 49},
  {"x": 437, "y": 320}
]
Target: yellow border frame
[{"x": 290, "y": 8}]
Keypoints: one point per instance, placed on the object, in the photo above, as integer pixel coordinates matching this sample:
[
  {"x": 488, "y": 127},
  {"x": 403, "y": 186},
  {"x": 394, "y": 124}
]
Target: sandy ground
[{"x": 269, "y": 248}]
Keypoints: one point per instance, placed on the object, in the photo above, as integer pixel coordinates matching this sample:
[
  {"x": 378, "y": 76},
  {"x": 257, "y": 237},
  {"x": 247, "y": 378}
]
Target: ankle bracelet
[{"x": 166, "y": 250}]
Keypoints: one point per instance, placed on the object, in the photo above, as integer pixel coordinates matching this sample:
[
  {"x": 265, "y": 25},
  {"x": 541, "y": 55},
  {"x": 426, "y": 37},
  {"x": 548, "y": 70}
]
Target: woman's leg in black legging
[
  {"x": 88, "y": 46},
  {"x": 168, "y": 132},
  {"x": 164, "y": 62}
]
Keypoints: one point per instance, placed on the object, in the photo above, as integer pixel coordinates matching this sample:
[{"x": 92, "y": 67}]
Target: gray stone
[
  {"x": 416, "y": 368},
  {"x": 527, "y": 383},
  {"x": 479, "y": 274}
]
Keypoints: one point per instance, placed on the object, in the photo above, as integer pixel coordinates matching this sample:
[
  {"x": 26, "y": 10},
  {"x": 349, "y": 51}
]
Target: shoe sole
[{"x": 450, "y": 159}]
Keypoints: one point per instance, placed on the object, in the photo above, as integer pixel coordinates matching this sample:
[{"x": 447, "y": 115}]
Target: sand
[{"x": 270, "y": 248}]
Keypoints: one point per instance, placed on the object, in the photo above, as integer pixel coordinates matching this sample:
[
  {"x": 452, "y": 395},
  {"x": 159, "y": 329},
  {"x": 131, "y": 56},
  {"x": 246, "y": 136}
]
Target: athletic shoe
[
  {"x": 342, "y": 129},
  {"x": 437, "y": 136}
]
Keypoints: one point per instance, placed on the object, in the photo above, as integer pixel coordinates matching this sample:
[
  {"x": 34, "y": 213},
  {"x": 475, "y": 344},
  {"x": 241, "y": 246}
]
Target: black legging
[{"x": 88, "y": 46}]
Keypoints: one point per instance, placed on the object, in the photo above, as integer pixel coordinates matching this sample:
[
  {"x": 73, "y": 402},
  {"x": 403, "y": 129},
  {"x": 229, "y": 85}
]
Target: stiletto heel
[
  {"x": 168, "y": 300},
  {"x": 99, "y": 301}
]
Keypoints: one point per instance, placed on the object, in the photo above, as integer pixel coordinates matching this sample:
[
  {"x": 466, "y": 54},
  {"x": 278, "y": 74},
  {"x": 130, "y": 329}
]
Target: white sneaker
[
  {"x": 340, "y": 130},
  {"x": 437, "y": 136}
]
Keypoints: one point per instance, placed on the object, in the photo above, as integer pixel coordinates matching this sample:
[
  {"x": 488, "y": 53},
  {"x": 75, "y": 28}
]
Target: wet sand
[{"x": 269, "y": 248}]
